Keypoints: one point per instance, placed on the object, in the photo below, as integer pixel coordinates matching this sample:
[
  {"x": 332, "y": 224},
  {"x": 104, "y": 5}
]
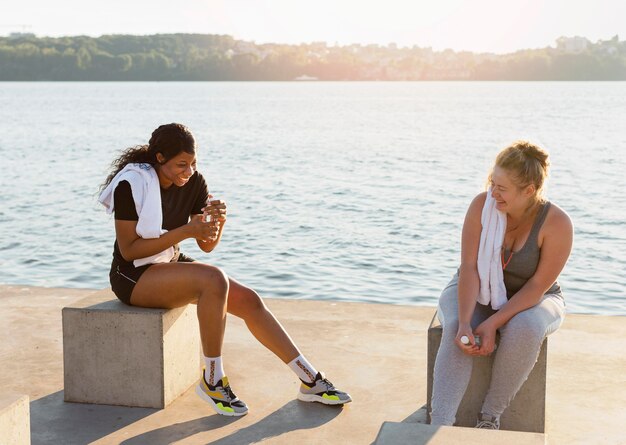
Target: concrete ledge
[
  {"x": 14, "y": 420},
  {"x": 394, "y": 433},
  {"x": 354, "y": 343},
  {"x": 117, "y": 354},
  {"x": 527, "y": 411}
]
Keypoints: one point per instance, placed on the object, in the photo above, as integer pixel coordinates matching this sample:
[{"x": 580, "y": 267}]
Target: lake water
[{"x": 338, "y": 191}]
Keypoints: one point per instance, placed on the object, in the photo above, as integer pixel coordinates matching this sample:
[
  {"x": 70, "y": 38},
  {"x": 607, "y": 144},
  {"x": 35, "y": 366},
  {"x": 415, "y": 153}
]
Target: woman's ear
[
  {"x": 160, "y": 158},
  {"x": 530, "y": 190}
]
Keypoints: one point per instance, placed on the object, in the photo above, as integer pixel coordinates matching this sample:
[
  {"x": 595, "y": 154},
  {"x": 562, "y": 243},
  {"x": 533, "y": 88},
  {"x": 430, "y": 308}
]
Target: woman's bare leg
[
  {"x": 171, "y": 285},
  {"x": 245, "y": 303}
]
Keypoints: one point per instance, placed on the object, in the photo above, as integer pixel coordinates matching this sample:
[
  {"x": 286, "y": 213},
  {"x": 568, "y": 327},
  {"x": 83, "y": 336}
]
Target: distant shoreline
[{"x": 207, "y": 57}]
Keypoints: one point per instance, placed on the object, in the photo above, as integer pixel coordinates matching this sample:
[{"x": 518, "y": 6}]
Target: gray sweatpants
[{"x": 520, "y": 343}]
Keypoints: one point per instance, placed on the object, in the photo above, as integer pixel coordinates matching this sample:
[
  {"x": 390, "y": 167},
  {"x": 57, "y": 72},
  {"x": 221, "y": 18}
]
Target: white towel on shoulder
[
  {"x": 144, "y": 184},
  {"x": 492, "y": 289}
]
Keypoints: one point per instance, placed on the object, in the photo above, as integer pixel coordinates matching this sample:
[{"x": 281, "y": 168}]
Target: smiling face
[
  {"x": 510, "y": 198},
  {"x": 518, "y": 177},
  {"x": 177, "y": 170}
]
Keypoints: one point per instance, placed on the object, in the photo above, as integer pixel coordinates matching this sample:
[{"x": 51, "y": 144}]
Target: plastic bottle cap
[{"x": 465, "y": 340}]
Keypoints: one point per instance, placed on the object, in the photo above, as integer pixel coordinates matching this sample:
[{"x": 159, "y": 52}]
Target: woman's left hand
[
  {"x": 487, "y": 332},
  {"x": 216, "y": 210}
]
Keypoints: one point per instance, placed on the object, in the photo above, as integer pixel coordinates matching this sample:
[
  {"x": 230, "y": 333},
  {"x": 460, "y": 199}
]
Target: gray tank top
[{"x": 523, "y": 263}]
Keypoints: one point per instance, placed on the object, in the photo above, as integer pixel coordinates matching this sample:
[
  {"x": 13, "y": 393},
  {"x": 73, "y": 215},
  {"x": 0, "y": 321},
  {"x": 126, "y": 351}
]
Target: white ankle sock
[
  {"x": 214, "y": 370},
  {"x": 303, "y": 369}
]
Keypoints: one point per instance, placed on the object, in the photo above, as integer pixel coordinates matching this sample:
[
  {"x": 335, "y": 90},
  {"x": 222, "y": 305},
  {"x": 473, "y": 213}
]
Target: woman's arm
[
  {"x": 209, "y": 244},
  {"x": 216, "y": 209},
  {"x": 132, "y": 246},
  {"x": 556, "y": 245},
  {"x": 469, "y": 283}
]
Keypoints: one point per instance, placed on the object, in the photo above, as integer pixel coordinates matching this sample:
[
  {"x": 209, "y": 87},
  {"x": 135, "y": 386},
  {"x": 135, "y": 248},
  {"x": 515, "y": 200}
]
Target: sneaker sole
[
  {"x": 210, "y": 401},
  {"x": 320, "y": 399}
]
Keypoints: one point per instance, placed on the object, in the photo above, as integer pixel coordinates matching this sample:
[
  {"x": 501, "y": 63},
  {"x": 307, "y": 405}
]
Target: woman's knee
[
  {"x": 447, "y": 308},
  {"x": 251, "y": 302},
  {"x": 450, "y": 328},
  {"x": 525, "y": 325},
  {"x": 213, "y": 282}
]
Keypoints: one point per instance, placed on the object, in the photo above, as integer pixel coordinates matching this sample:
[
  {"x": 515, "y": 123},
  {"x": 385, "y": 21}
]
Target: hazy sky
[{"x": 475, "y": 25}]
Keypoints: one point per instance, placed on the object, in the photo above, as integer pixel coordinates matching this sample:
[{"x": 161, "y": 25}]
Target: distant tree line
[{"x": 200, "y": 57}]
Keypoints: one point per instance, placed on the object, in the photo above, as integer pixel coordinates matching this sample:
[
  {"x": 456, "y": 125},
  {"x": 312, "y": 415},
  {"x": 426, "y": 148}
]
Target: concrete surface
[
  {"x": 527, "y": 411},
  {"x": 376, "y": 352},
  {"x": 394, "y": 433},
  {"x": 14, "y": 419},
  {"x": 122, "y": 355}
]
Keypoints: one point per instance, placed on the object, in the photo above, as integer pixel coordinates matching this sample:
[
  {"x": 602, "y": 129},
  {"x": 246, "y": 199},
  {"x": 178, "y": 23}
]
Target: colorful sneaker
[
  {"x": 221, "y": 397},
  {"x": 321, "y": 390},
  {"x": 487, "y": 422}
]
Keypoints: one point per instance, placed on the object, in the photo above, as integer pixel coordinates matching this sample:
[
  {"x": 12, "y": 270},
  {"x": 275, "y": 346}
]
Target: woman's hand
[
  {"x": 214, "y": 217},
  {"x": 487, "y": 332},
  {"x": 466, "y": 330},
  {"x": 215, "y": 211},
  {"x": 202, "y": 231}
]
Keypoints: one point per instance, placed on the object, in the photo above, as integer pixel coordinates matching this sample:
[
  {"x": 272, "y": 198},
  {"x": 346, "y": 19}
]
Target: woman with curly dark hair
[{"x": 159, "y": 199}]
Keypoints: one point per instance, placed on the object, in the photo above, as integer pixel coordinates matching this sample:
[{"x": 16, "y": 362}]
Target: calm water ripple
[{"x": 338, "y": 191}]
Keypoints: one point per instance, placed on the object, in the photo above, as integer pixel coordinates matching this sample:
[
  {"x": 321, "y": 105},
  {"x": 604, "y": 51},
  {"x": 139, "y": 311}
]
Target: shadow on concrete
[
  {"x": 295, "y": 415},
  {"x": 54, "y": 421},
  {"x": 391, "y": 432},
  {"x": 419, "y": 416},
  {"x": 394, "y": 433},
  {"x": 173, "y": 433}
]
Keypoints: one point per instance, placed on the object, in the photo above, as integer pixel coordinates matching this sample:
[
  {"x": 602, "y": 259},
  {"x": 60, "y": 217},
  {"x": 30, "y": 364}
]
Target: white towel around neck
[
  {"x": 144, "y": 184},
  {"x": 492, "y": 289}
]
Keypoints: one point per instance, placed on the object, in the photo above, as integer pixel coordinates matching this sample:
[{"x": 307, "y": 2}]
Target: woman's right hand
[
  {"x": 465, "y": 329},
  {"x": 202, "y": 231}
]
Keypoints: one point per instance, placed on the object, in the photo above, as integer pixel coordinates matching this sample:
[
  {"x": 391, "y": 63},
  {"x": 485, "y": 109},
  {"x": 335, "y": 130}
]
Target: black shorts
[{"x": 124, "y": 277}]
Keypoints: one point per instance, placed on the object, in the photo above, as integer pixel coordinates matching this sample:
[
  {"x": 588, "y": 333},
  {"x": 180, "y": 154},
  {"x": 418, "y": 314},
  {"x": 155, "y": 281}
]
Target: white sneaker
[{"x": 487, "y": 422}]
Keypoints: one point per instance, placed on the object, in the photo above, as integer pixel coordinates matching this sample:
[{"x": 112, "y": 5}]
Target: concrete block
[
  {"x": 394, "y": 433},
  {"x": 14, "y": 420},
  {"x": 116, "y": 354},
  {"x": 527, "y": 411}
]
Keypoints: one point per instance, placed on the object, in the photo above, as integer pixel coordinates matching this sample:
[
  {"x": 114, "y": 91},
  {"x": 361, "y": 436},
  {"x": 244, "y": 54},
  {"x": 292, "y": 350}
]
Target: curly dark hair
[{"x": 169, "y": 140}]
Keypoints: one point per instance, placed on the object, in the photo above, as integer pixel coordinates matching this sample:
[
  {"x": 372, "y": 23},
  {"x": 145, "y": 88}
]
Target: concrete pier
[
  {"x": 14, "y": 419},
  {"x": 394, "y": 433},
  {"x": 527, "y": 411},
  {"x": 378, "y": 353},
  {"x": 117, "y": 354}
]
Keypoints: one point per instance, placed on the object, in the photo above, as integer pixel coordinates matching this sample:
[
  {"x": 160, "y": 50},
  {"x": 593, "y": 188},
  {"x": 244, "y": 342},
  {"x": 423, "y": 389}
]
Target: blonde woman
[{"x": 536, "y": 240}]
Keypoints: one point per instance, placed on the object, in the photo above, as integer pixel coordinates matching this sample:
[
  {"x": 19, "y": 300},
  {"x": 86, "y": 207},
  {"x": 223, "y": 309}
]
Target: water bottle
[
  {"x": 465, "y": 340},
  {"x": 477, "y": 342},
  {"x": 208, "y": 217}
]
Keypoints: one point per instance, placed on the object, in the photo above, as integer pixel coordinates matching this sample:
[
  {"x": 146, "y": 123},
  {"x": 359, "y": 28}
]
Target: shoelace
[
  {"x": 230, "y": 395},
  {"x": 329, "y": 385},
  {"x": 487, "y": 424}
]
